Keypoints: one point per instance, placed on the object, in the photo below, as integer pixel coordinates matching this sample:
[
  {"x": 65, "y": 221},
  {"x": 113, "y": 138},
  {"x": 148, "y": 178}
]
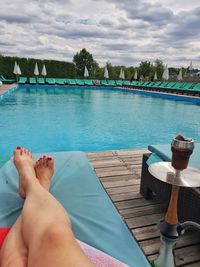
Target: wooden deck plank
[{"x": 119, "y": 172}]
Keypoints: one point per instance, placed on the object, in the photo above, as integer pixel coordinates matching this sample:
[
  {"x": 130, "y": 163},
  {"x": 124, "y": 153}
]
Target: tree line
[
  {"x": 57, "y": 69},
  {"x": 75, "y": 69}
]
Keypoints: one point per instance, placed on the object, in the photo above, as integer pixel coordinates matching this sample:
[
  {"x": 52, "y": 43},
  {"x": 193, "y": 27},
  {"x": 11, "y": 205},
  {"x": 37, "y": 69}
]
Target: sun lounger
[
  {"x": 104, "y": 82},
  {"x": 32, "y": 80},
  {"x": 126, "y": 83},
  {"x": 88, "y": 82},
  {"x": 41, "y": 81},
  {"x": 197, "y": 87},
  {"x": 145, "y": 83},
  {"x": 188, "y": 86},
  {"x": 71, "y": 81},
  {"x": 95, "y": 220},
  {"x": 60, "y": 81},
  {"x": 50, "y": 81},
  {"x": 119, "y": 82},
  {"x": 22, "y": 80},
  {"x": 111, "y": 83},
  {"x": 150, "y": 187},
  {"x": 4, "y": 80},
  {"x": 80, "y": 82}
]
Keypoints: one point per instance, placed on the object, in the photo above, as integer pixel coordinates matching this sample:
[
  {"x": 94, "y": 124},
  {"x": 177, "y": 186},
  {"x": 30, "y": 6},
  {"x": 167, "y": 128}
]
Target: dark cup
[{"x": 182, "y": 149}]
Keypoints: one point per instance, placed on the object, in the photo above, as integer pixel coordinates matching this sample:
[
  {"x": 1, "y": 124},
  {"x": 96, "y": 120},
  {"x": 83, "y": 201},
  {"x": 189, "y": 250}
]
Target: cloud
[
  {"x": 123, "y": 32},
  {"x": 16, "y": 18}
]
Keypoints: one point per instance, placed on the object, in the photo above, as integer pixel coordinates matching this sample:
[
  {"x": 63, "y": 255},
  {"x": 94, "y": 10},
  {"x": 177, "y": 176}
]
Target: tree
[
  {"x": 144, "y": 68},
  {"x": 82, "y": 59},
  {"x": 159, "y": 67}
]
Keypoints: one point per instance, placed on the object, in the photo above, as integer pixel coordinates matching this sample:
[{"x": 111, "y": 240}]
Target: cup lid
[{"x": 183, "y": 142}]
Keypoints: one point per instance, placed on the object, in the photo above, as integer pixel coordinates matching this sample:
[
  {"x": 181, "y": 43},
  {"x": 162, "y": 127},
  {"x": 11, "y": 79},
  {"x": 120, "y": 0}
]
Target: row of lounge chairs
[
  {"x": 59, "y": 81},
  {"x": 169, "y": 87},
  {"x": 179, "y": 87}
]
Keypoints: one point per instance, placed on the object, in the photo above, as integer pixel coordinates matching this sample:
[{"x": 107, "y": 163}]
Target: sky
[{"x": 122, "y": 32}]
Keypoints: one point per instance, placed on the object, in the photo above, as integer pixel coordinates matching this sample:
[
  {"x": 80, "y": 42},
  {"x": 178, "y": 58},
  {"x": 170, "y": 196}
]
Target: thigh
[
  {"x": 57, "y": 248},
  {"x": 13, "y": 259},
  {"x": 14, "y": 251}
]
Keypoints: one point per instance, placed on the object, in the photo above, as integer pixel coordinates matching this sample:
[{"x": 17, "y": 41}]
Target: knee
[{"x": 57, "y": 234}]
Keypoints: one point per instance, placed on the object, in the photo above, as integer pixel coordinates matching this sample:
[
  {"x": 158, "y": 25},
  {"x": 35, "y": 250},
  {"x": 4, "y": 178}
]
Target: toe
[
  {"x": 43, "y": 161},
  {"x": 37, "y": 163},
  {"x": 17, "y": 150},
  {"x": 50, "y": 162}
]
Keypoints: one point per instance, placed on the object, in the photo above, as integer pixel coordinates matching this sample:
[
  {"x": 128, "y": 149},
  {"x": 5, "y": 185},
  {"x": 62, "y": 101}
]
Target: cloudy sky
[{"x": 123, "y": 32}]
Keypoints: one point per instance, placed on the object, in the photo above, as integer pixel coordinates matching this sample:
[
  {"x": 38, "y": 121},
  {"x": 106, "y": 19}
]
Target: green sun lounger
[
  {"x": 60, "y": 81},
  {"x": 71, "y": 81},
  {"x": 80, "y": 82},
  {"x": 127, "y": 83},
  {"x": 88, "y": 82},
  {"x": 111, "y": 83},
  {"x": 41, "y": 81},
  {"x": 119, "y": 82},
  {"x": 50, "y": 81},
  {"x": 22, "y": 80},
  {"x": 32, "y": 80},
  {"x": 197, "y": 87},
  {"x": 104, "y": 82},
  {"x": 188, "y": 86},
  {"x": 4, "y": 80}
]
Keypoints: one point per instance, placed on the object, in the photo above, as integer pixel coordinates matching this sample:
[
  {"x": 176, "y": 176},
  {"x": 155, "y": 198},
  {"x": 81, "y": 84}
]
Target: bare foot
[
  {"x": 44, "y": 169},
  {"x": 24, "y": 164}
]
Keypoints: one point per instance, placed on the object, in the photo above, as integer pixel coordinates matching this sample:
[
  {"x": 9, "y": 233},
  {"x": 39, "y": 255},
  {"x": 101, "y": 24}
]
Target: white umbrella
[
  {"x": 36, "y": 71},
  {"x": 106, "y": 75},
  {"x": 180, "y": 75},
  {"x": 15, "y": 68},
  {"x": 155, "y": 76},
  {"x": 44, "y": 71},
  {"x": 135, "y": 75},
  {"x": 190, "y": 67},
  {"x": 86, "y": 73},
  {"x": 165, "y": 75},
  {"x": 18, "y": 70},
  {"x": 121, "y": 74}
]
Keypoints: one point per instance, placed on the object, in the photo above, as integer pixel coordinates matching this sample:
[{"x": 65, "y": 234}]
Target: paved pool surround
[{"x": 4, "y": 93}]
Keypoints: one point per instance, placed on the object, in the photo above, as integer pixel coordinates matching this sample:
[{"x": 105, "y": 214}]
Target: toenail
[
  {"x": 18, "y": 147},
  {"x": 49, "y": 158}
]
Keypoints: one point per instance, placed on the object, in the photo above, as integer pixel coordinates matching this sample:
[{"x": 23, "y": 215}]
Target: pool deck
[
  {"x": 6, "y": 87},
  {"x": 119, "y": 171}
]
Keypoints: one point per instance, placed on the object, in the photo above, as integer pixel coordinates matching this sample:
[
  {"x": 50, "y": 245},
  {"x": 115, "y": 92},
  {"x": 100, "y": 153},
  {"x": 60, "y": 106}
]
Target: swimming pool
[{"x": 58, "y": 119}]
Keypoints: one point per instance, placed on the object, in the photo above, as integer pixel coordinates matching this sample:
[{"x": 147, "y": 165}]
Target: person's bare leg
[
  {"x": 14, "y": 252},
  {"x": 44, "y": 169},
  {"x": 46, "y": 226}
]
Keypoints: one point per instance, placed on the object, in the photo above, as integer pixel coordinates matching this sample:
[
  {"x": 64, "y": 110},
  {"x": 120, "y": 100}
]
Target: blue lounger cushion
[
  {"x": 164, "y": 152},
  {"x": 95, "y": 220}
]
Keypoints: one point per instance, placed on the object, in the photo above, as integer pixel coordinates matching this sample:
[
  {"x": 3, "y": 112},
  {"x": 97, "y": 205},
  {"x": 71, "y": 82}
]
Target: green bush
[{"x": 55, "y": 69}]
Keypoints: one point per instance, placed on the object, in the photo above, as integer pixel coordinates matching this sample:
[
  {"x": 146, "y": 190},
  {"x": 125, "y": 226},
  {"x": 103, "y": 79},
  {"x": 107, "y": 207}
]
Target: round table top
[{"x": 164, "y": 171}]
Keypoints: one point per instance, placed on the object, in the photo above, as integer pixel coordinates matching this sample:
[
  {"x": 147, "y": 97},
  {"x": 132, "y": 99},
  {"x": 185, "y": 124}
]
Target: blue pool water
[{"x": 79, "y": 119}]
